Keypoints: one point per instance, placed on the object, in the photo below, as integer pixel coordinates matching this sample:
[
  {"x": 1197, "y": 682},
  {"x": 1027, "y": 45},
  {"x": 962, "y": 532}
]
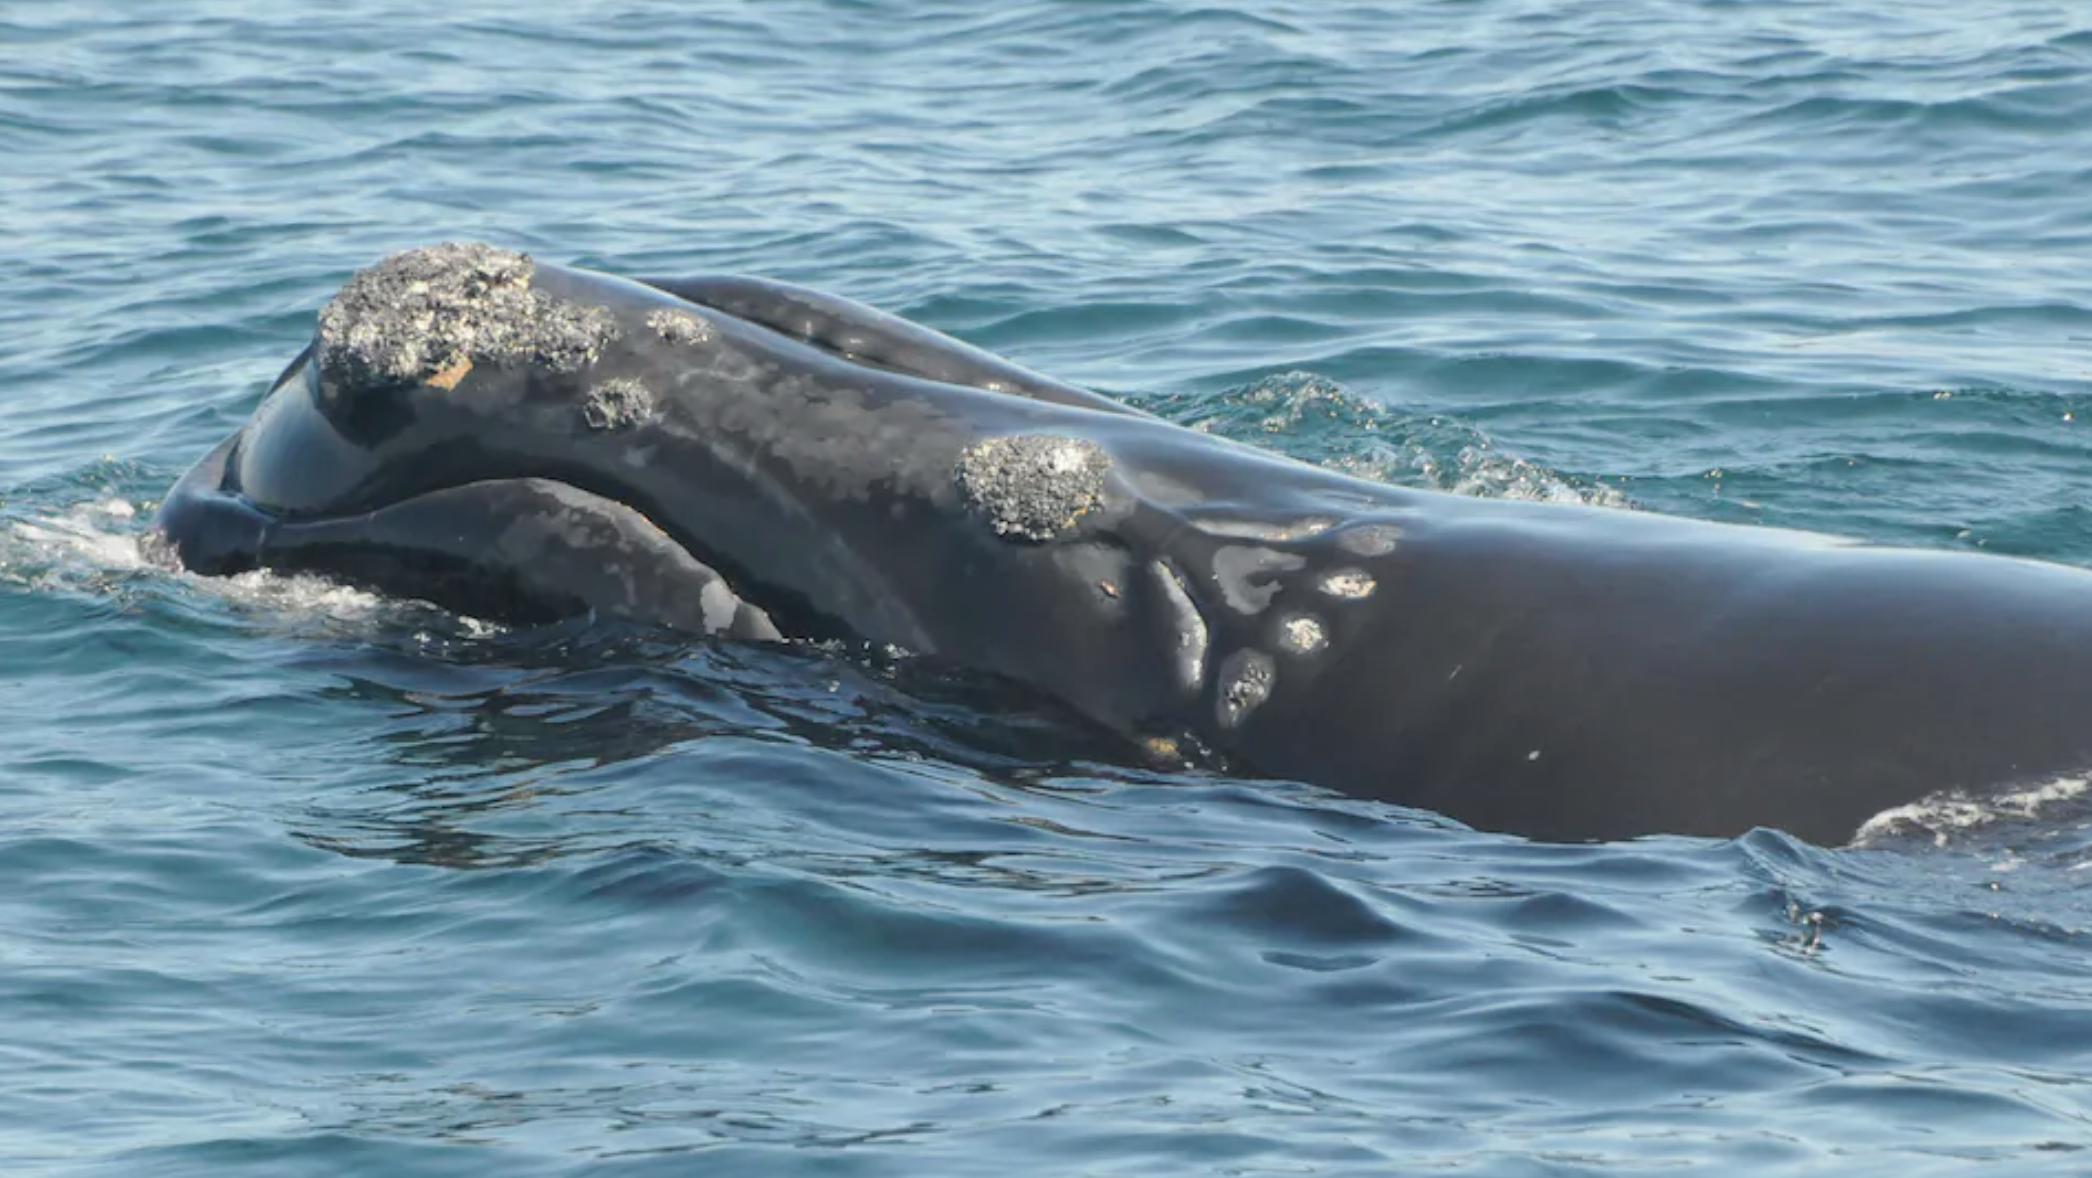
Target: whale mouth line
[
  {"x": 303, "y": 488},
  {"x": 524, "y": 544}
]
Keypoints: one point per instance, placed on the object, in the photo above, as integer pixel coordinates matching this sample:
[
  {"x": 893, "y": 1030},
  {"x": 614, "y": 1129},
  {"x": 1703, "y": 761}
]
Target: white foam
[
  {"x": 1317, "y": 420},
  {"x": 1480, "y": 471},
  {"x": 1956, "y": 813},
  {"x": 306, "y": 602},
  {"x": 1489, "y": 475},
  {"x": 77, "y": 540},
  {"x": 302, "y": 593},
  {"x": 93, "y": 547},
  {"x": 89, "y": 548}
]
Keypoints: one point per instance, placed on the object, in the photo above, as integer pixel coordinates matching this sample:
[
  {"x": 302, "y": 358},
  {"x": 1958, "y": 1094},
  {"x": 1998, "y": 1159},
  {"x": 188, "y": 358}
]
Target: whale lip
[
  {"x": 204, "y": 528},
  {"x": 526, "y": 550},
  {"x": 490, "y": 539}
]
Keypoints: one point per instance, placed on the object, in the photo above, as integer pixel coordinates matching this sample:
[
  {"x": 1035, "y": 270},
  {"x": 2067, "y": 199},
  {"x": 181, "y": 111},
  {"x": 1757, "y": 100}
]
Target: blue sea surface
[{"x": 295, "y": 880}]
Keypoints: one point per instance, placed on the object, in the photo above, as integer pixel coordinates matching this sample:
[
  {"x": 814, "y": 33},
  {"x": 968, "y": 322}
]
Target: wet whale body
[{"x": 745, "y": 458}]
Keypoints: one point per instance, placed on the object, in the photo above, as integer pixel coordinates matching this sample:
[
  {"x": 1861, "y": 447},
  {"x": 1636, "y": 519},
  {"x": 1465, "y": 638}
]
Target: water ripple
[{"x": 300, "y": 880}]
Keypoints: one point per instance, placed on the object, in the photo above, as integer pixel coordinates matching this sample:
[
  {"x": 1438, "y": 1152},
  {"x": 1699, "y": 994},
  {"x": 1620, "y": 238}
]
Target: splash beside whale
[{"x": 750, "y": 459}]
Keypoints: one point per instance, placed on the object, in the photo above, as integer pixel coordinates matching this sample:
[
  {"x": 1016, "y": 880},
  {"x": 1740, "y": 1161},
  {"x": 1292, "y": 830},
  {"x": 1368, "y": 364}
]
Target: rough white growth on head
[
  {"x": 424, "y": 314},
  {"x": 1348, "y": 583},
  {"x": 618, "y": 403},
  {"x": 1246, "y": 680},
  {"x": 1033, "y": 486},
  {"x": 679, "y": 327},
  {"x": 1302, "y": 634},
  {"x": 1369, "y": 539}
]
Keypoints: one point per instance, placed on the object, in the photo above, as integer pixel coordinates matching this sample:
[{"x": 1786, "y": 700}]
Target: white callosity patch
[
  {"x": 1246, "y": 680},
  {"x": 1351, "y": 584},
  {"x": 679, "y": 327},
  {"x": 1369, "y": 539},
  {"x": 430, "y": 314},
  {"x": 618, "y": 403},
  {"x": 1033, "y": 486},
  {"x": 1302, "y": 634}
]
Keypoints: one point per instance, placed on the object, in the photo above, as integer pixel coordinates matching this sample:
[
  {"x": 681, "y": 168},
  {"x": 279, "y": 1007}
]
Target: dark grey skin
[{"x": 738, "y": 457}]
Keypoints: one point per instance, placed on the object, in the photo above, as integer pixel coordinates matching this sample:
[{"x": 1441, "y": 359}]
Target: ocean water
[{"x": 295, "y": 880}]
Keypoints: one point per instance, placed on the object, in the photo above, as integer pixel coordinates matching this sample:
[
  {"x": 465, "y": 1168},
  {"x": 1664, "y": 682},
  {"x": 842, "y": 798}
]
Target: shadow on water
[{"x": 486, "y": 725}]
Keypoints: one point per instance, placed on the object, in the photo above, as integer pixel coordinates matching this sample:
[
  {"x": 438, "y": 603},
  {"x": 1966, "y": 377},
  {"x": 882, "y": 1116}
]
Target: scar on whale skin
[
  {"x": 1272, "y": 533},
  {"x": 1247, "y": 575},
  {"x": 1190, "y": 628},
  {"x": 1033, "y": 486},
  {"x": 432, "y": 314}
]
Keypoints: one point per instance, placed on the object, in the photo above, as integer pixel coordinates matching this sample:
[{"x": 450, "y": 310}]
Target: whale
[{"x": 752, "y": 460}]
